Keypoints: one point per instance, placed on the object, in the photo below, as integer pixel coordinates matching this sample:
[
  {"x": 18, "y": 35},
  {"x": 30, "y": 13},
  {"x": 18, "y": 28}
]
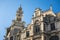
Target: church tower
[
  {"x": 14, "y": 31},
  {"x": 19, "y": 14},
  {"x": 18, "y": 24}
]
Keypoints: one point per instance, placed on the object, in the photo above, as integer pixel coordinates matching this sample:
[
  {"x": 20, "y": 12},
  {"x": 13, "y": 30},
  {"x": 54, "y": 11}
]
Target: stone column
[
  {"x": 31, "y": 38},
  {"x": 42, "y": 37}
]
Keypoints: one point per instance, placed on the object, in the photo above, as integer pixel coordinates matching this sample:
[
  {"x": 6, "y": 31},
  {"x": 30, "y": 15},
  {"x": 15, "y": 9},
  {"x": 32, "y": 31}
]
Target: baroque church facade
[{"x": 45, "y": 25}]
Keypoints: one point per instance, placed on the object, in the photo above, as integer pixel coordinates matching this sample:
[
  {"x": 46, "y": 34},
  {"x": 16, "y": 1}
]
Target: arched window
[
  {"x": 36, "y": 27},
  {"x": 36, "y": 22},
  {"x": 54, "y": 38}
]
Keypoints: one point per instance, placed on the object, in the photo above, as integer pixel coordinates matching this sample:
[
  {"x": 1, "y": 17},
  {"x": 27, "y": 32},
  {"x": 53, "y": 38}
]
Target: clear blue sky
[{"x": 8, "y": 10}]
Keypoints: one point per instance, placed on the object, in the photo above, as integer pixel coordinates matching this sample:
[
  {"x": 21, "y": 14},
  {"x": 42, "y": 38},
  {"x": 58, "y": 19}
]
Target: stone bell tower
[
  {"x": 14, "y": 31},
  {"x": 19, "y": 14}
]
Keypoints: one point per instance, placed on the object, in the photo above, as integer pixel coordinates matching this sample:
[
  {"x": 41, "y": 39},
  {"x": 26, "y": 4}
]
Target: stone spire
[
  {"x": 19, "y": 14},
  {"x": 50, "y": 6}
]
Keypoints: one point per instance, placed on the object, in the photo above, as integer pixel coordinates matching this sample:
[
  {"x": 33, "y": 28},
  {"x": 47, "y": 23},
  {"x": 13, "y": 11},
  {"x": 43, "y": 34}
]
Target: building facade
[{"x": 45, "y": 25}]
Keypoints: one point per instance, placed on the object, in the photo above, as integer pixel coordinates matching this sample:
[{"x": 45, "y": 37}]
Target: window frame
[
  {"x": 27, "y": 34},
  {"x": 52, "y": 25}
]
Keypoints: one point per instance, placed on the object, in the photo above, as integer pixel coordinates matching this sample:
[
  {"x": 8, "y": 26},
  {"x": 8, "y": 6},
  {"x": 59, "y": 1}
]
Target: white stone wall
[
  {"x": 31, "y": 30},
  {"x": 23, "y": 35},
  {"x": 57, "y": 24}
]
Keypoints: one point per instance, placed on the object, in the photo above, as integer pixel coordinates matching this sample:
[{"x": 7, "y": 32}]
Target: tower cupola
[{"x": 19, "y": 14}]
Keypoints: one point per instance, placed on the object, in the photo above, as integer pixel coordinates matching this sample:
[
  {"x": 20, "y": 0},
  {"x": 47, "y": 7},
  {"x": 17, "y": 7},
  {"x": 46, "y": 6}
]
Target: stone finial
[{"x": 50, "y": 6}]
